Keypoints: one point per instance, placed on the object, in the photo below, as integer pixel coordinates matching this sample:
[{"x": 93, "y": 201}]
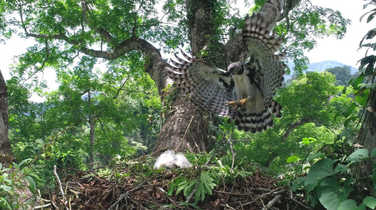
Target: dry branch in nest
[{"x": 252, "y": 192}]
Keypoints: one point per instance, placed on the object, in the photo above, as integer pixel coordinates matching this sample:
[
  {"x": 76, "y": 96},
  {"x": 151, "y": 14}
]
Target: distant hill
[
  {"x": 324, "y": 65},
  {"x": 320, "y": 67}
]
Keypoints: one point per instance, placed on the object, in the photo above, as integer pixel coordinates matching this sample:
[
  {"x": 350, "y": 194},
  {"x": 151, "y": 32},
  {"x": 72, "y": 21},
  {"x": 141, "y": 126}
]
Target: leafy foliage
[
  {"x": 331, "y": 183},
  {"x": 315, "y": 113},
  {"x": 303, "y": 25},
  {"x": 200, "y": 187},
  {"x": 17, "y": 186},
  {"x": 365, "y": 82},
  {"x": 57, "y": 131}
]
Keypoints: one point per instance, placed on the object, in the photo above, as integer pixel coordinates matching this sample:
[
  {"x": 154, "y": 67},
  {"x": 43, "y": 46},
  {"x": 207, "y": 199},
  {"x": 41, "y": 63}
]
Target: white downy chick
[
  {"x": 169, "y": 159},
  {"x": 181, "y": 161}
]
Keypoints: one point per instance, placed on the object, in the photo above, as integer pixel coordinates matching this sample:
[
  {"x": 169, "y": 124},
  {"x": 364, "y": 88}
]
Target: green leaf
[
  {"x": 293, "y": 159},
  {"x": 189, "y": 187},
  {"x": 358, "y": 155},
  {"x": 349, "y": 205},
  {"x": 373, "y": 153},
  {"x": 181, "y": 186},
  {"x": 4, "y": 204},
  {"x": 307, "y": 141},
  {"x": 320, "y": 170},
  {"x": 24, "y": 162},
  {"x": 340, "y": 168},
  {"x": 32, "y": 184},
  {"x": 5, "y": 188},
  {"x": 370, "y": 202},
  {"x": 315, "y": 156},
  {"x": 330, "y": 199}
]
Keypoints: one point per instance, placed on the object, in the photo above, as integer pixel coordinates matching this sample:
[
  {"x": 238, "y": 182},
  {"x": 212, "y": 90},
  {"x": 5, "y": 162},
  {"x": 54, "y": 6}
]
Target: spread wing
[
  {"x": 208, "y": 87},
  {"x": 245, "y": 91},
  {"x": 265, "y": 71}
]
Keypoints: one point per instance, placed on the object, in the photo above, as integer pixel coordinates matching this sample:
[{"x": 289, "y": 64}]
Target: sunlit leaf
[{"x": 358, "y": 155}]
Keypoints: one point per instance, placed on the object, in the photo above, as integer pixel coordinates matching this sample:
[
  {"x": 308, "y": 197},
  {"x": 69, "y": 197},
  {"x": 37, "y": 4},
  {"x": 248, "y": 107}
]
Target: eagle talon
[{"x": 238, "y": 103}]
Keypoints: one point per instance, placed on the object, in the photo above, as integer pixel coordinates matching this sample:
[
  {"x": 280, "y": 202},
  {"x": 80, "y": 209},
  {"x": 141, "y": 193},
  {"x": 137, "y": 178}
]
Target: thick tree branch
[
  {"x": 202, "y": 27},
  {"x": 153, "y": 55},
  {"x": 149, "y": 51}
]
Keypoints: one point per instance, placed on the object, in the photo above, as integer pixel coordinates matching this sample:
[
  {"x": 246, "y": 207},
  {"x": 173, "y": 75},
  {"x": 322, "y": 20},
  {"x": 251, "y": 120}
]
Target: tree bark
[
  {"x": 186, "y": 128},
  {"x": 367, "y": 134},
  {"x": 367, "y": 138},
  {"x": 92, "y": 134},
  {"x": 5, "y": 149}
]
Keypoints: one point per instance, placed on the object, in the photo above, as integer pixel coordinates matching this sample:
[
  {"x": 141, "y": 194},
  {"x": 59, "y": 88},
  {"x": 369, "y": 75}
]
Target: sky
[{"x": 344, "y": 50}]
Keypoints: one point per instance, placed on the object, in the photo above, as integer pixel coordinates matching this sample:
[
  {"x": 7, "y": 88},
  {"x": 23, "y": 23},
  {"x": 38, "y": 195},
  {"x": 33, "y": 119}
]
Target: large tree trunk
[
  {"x": 186, "y": 128},
  {"x": 367, "y": 138},
  {"x": 367, "y": 134},
  {"x": 5, "y": 149}
]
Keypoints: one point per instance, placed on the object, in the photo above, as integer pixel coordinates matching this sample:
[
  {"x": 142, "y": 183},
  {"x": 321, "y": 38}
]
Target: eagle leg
[{"x": 236, "y": 104}]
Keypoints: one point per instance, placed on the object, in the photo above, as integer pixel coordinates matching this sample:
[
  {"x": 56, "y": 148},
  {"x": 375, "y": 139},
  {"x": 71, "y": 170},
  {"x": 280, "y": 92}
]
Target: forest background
[{"x": 109, "y": 123}]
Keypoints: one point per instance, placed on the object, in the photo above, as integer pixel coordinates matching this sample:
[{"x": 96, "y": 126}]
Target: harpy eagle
[{"x": 244, "y": 92}]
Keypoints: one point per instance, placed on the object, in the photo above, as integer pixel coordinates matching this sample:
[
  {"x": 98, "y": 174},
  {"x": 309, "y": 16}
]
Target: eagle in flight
[{"x": 244, "y": 92}]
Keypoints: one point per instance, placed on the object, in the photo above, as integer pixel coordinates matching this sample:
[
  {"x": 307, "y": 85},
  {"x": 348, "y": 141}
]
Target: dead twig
[
  {"x": 125, "y": 195},
  {"x": 301, "y": 204},
  {"x": 168, "y": 197},
  {"x": 272, "y": 202},
  {"x": 244, "y": 194},
  {"x": 232, "y": 152},
  {"x": 275, "y": 192},
  {"x": 42, "y": 206},
  {"x": 60, "y": 187}
]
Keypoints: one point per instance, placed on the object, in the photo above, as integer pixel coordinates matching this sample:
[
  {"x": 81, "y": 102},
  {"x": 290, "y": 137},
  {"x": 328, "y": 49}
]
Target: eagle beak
[{"x": 235, "y": 68}]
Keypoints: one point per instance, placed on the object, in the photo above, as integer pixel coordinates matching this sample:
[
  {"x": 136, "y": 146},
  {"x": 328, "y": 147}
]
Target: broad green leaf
[
  {"x": 330, "y": 199},
  {"x": 373, "y": 153},
  {"x": 370, "y": 202},
  {"x": 358, "y": 155},
  {"x": 315, "y": 156},
  {"x": 362, "y": 99},
  {"x": 321, "y": 169},
  {"x": 349, "y": 205},
  {"x": 340, "y": 168}
]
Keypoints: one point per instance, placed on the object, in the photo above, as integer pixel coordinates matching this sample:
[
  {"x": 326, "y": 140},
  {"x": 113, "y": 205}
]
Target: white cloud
[{"x": 345, "y": 50}]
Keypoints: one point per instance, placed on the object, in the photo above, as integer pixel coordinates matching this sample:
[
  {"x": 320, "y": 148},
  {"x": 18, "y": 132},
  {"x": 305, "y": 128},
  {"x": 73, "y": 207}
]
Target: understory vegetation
[{"x": 89, "y": 143}]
